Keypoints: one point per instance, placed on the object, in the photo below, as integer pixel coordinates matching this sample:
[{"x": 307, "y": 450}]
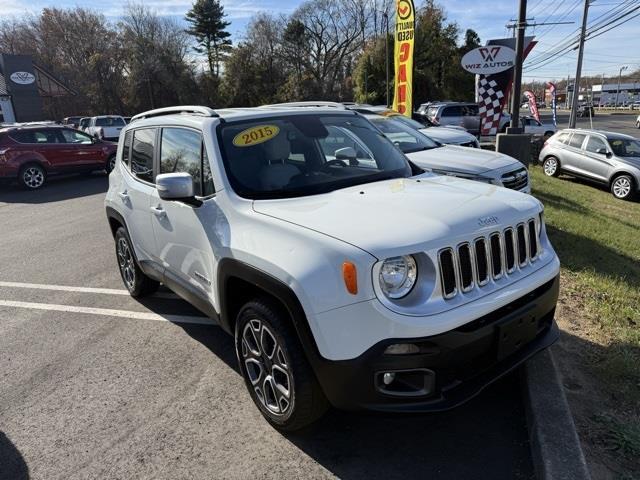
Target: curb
[{"x": 555, "y": 446}]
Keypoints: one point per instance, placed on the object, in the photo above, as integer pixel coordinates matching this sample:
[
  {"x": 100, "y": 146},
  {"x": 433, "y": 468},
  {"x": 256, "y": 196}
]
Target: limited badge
[{"x": 255, "y": 135}]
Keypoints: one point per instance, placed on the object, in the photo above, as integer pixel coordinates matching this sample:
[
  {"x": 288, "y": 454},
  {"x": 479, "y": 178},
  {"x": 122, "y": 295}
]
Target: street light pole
[
  {"x": 619, "y": 77},
  {"x": 517, "y": 71},
  {"x": 576, "y": 84},
  {"x": 386, "y": 52}
]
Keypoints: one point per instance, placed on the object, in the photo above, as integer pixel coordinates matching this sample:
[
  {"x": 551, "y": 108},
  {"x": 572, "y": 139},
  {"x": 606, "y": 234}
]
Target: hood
[
  {"x": 452, "y": 158},
  {"x": 408, "y": 215},
  {"x": 448, "y": 135}
]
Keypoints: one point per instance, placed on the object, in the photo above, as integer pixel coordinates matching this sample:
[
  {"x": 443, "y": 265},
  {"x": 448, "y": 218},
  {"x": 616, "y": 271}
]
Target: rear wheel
[
  {"x": 137, "y": 283},
  {"x": 111, "y": 164},
  {"x": 622, "y": 187},
  {"x": 32, "y": 176},
  {"x": 551, "y": 167},
  {"x": 275, "y": 368}
]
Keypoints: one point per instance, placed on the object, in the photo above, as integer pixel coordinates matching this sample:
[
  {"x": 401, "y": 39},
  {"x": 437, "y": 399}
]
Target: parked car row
[{"x": 467, "y": 116}]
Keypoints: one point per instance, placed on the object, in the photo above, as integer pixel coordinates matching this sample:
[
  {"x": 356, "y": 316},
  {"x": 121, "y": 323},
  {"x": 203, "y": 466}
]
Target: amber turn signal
[{"x": 350, "y": 277}]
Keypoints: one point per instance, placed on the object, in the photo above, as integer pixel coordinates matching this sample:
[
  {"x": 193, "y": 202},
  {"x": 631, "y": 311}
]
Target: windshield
[
  {"x": 623, "y": 147},
  {"x": 403, "y": 136},
  {"x": 110, "y": 122},
  {"x": 299, "y": 155},
  {"x": 408, "y": 121}
]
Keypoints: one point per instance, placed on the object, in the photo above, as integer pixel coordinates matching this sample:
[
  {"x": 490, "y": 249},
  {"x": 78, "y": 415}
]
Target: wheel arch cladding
[
  {"x": 620, "y": 173},
  {"x": 239, "y": 282},
  {"x": 115, "y": 221}
]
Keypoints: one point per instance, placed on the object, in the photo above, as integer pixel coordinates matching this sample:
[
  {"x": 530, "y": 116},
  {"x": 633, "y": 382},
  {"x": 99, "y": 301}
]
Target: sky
[{"x": 603, "y": 55}]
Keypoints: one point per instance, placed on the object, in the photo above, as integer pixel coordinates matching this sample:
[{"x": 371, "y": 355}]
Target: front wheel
[
  {"x": 275, "y": 369},
  {"x": 551, "y": 167},
  {"x": 622, "y": 187},
  {"x": 137, "y": 283}
]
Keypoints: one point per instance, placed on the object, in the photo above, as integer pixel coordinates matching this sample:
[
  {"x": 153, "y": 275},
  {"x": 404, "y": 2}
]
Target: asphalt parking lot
[
  {"x": 619, "y": 123},
  {"x": 94, "y": 384}
]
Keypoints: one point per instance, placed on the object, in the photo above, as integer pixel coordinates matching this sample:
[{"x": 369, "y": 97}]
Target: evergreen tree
[{"x": 209, "y": 28}]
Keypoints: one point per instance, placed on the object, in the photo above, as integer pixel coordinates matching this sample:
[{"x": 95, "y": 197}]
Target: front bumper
[{"x": 461, "y": 362}]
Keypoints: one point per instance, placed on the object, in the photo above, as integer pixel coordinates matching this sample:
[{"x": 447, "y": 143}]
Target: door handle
[
  {"x": 158, "y": 211},
  {"x": 123, "y": 195}
]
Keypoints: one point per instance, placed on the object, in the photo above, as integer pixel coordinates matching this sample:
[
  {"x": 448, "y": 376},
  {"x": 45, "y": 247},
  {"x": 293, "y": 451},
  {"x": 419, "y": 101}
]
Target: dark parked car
[
  {"x": 586, "y": 111},
  {"x": 30, "y": 154}
]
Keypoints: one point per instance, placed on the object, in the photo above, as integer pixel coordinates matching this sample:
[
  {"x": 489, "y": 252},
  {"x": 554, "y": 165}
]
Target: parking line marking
[
  {"x": 110, "y": 312},
  {"x": 65, "y": 288}
]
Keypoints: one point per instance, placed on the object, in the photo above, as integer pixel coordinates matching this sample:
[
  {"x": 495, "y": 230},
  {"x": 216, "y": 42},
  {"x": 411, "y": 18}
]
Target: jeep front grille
[
  {"x": 516, "y": 180},
  {"x": 474, "y": 264}
]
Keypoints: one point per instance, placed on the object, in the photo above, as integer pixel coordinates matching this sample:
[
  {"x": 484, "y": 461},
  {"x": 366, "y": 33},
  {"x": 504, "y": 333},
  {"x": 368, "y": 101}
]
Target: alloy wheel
[
  {"x": 33, "y": 177},
  {"x": 267, "y": 367},
  {"x": 126, "y": 263},
  {"x": 112, "y": 164},
  {"x": 621, "y": 187},
  {"x": 550, "y": 166}
]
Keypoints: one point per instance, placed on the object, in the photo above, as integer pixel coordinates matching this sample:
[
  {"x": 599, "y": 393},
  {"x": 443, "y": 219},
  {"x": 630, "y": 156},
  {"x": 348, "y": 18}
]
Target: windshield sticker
[{"x": 255, "y": 135}]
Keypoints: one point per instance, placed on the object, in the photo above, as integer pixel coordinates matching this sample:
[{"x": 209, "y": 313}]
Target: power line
[{"x": 567, "y": 46}]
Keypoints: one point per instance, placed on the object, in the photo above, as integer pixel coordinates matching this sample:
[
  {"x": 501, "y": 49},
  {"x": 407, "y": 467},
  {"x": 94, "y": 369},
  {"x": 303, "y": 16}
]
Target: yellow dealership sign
[{"x": 403, "y": 55}]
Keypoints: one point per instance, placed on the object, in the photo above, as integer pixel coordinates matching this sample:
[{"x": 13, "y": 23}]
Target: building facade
[{"x": 23, "y": 85}]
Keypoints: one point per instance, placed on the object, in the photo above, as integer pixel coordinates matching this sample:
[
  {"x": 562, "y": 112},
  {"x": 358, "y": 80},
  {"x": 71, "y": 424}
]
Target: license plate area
[{"x": 516, "y": 333}]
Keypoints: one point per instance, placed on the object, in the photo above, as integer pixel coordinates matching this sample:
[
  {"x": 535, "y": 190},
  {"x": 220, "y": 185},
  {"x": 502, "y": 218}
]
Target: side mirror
[
  {"x": 609, "y": 154},
  {"x": 177, "y": 186},
  {"x": 346, "y": 153}
]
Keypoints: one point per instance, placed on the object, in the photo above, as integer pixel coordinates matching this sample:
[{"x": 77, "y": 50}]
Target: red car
[{"x": 31, "y": 153}]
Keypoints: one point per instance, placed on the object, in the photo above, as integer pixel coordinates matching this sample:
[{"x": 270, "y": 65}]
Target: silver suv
[{"x": 605, "y": 157}]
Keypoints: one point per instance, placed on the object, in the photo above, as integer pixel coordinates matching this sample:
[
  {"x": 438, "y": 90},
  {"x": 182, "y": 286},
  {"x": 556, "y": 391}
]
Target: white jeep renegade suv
[{"x": 347, "y": 277}]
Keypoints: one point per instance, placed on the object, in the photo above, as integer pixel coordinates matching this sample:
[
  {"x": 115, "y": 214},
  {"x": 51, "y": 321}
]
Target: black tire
[
  {"x": 32, "y": 176},
  {"x": 110, "y": 165},
  {"x": 548, "y": 166},
  {"x": 623, "y": 187},
  {"x": 134, "y": 279},
  {"x": 262, "y": 318}
]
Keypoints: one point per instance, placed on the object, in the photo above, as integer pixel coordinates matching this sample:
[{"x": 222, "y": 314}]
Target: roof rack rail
[
  {"x": 306, "y": 104},
  {"x": 184, "y": 109}
]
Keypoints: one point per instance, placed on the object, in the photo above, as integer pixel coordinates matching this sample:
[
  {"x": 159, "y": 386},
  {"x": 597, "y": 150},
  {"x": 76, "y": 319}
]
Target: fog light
[
  {"x": 388, "y": 378},
  {"x": 401, "y": 349}
]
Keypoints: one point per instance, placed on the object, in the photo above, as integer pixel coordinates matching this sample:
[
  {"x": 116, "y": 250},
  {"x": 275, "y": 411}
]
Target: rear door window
[
  {"x": 576, "y": 140},
  {"x": 74, "y": 136},
  {"x": 470, "y": 110},
  {"x": 110, "y": 122},
  {"x": 563, "y": 137},
  {"x": 142, "y": 153},
  {"x": 453, "y": 111}
]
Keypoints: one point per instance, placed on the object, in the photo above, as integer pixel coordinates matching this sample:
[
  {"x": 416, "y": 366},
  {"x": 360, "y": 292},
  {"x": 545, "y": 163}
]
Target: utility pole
[
  {"x": 619, "y": 78},
  {"x": 386, "y": 53},
  {"x": 517, "y": 70},
  {"x": 574, "y": 103}
]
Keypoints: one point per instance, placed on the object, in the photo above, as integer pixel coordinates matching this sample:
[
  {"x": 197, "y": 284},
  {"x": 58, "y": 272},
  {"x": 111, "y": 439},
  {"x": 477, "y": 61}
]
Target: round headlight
[{"x": 398, "y": 276}]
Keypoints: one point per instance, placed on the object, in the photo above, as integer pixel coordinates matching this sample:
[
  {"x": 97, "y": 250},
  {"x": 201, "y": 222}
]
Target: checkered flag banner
[{"x": 490, "y": 105}]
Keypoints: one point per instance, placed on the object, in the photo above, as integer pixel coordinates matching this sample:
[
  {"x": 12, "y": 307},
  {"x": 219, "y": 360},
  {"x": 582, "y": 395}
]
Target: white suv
[{"x": 347, "y": 278}]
